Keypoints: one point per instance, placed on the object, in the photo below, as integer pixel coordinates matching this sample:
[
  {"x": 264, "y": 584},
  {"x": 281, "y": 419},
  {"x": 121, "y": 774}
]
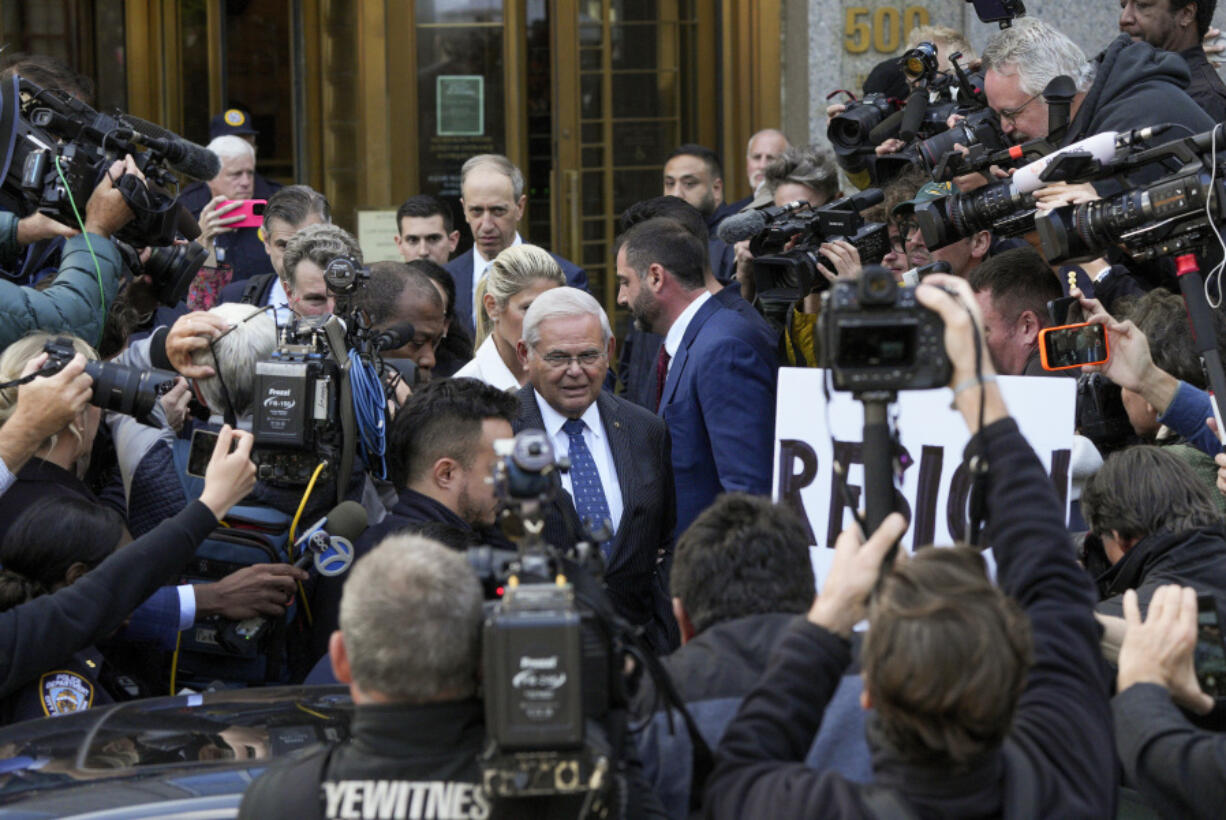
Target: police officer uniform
[{"x": 71, "y": 687}]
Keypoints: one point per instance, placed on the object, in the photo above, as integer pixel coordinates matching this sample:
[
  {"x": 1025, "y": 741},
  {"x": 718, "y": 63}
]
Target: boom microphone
[
  {"x": 913, "y": 115},
  {"x": 748, "y": 224},
  {"x": 885, "y": 129},
  {"x": 186, "y": 157}
]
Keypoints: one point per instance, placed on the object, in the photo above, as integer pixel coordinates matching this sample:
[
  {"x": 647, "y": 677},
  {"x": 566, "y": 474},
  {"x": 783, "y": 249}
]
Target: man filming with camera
[{"x": 989, "y": 701}]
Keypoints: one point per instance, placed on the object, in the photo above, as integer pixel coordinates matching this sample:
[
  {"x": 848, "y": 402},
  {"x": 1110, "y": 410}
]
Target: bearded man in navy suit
[
  {"x": 715, "y": 374},
  {"x": 493, "y": 198},
  {"x": 621, "y": 473}
]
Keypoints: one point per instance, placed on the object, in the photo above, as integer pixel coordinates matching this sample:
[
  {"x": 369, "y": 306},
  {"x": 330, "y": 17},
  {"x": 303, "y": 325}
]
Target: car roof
[{"x": 184, "y": 756}]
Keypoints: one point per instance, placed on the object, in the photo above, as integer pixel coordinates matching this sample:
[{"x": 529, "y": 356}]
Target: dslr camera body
[
  {"x": 117, "y": 388},
  {"x": 878, "y": 338}
]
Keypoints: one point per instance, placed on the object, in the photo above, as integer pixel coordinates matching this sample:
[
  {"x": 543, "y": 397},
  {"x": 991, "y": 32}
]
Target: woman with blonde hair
[{"x": 516, "y": 276}]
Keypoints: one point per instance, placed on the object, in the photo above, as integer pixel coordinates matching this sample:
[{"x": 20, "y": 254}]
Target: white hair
[
  {"x": 229, "y": 146},
  {"x": 1037, "y": 53},
  {"x": 411, "y": 616},
  {"x": 563, "y": 303},
  {"x": 252, "y": 339}
]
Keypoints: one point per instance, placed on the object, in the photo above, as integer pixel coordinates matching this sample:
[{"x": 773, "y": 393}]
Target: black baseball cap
[{"x": 234, "y": 121}]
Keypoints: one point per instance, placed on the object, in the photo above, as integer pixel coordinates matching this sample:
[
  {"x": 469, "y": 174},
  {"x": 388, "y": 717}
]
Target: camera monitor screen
[
  {"x": 1210, "y": 658},
  {"x": 1073, "y": 346},
  {"x": 877, "y": 346}
]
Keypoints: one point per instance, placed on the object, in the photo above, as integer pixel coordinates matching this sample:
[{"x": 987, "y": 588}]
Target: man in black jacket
[
  {"x": 1129, "y": 85},
  {"x": 1158, "y": 524},
  {"x": 1180, "y": 26},
  {"x": 976, "y": 715},
  {"x": 1176, "y": 766},
  {"x": 409, "y": 647},
  {"x": 742, "y": 575}
]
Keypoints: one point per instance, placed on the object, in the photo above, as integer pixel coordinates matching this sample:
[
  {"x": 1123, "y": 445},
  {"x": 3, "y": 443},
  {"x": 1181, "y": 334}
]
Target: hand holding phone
[
  {"x": 1068, "y": 346},
  {"x": 242, "y": 213}
]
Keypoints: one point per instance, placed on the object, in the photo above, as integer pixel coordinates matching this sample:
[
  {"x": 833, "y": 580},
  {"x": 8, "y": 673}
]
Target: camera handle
[
  {"x": 878, "y": 451},
  {"x": 1192, "y": 285}
]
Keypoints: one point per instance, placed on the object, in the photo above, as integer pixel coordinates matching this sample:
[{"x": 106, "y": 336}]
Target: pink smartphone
[{"x": 252, "y": 211}]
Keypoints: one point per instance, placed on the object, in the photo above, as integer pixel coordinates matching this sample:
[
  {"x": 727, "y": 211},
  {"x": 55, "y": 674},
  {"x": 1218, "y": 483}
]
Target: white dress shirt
[
  {"x": 480, "y": 266},
  {"x": 597, "y": 442},
  {"x": 672, "y": 341},
  {"x": 487, "y": 366},
  {"x": 6, "y": 477}
]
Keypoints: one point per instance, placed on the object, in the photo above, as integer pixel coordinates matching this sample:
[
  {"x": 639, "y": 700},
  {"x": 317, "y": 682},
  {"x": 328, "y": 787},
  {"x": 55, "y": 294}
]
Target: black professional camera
[
  {"x": 170, "y": 268},
  {"x": 117, "y": 388},
  {"x": 853, "y": 133},
  {"x": 979, "y": 132},
  {"x": 298, "y": 408},
  {"x": 999, "y": 208},
  {"x": 550, "y": 670},
  {"x": 57, "y": 148},
  {"x": 783, "y": 276},
  {"x": 1163, "y": 219},
  {"x": 877, "y": 337}
]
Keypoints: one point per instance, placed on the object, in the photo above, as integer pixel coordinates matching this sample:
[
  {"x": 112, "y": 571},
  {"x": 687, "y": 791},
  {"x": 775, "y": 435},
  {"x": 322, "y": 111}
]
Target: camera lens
[
  {"x": 125, "y": 390},
  {"x": 877, "y": 286},
  {"x": 172, "y": 269}
]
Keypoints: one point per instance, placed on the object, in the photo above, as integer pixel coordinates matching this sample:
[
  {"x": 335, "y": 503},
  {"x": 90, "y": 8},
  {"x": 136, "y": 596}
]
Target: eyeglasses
[
  {"x": 587, "y": 358},
  {"x": 905, "y": 227},
  {"x": 1010, "y": 114}
]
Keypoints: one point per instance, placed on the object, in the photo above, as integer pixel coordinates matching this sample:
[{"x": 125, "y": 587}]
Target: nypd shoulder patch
[{"x": 64, "y": 692}]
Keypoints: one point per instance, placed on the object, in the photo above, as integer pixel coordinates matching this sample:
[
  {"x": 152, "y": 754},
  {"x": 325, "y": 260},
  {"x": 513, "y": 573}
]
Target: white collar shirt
[
  {"x": 597, "y": 441},
  {"x": 672, "y": 341}
]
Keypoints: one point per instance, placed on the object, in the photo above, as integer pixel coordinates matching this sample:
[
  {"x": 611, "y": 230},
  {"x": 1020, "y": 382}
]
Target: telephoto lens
[
  {"x": 117, "y": 388},
  {"x": 999, "y": 208}
]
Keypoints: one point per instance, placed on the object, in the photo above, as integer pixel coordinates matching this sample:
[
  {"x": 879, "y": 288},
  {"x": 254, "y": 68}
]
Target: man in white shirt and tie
[
  {"x": 492, "y": 196},
  {"x": 621, "y": 476}
]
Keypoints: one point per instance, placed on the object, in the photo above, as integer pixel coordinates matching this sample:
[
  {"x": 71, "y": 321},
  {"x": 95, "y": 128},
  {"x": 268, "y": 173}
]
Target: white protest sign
[{"x": 934, "y": 485}]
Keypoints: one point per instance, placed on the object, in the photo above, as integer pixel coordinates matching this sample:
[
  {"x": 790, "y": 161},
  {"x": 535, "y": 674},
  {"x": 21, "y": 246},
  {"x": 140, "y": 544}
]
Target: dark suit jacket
[
  {"x": 719, "y": 404},
  {"x": 639, "y": 442},
  {"x": 461, "y": 270}
]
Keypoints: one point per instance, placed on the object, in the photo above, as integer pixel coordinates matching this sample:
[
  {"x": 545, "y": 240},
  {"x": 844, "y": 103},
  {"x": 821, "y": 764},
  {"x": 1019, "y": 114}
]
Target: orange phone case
[{"x": 1043, "y": 347}]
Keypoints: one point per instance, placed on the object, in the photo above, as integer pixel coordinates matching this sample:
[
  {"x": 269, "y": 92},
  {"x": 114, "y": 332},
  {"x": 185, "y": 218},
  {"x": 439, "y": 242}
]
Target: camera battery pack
[
  {"x": 283, "y": 403},
  {"x": 533, "y": 693}
]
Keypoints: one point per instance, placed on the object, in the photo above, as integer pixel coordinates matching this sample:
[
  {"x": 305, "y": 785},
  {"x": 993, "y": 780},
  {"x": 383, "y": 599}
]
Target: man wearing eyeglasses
[
  {"x": 911, "y": 189},
  {"x": 621, "y": 474},
  {"x": 1129, "y": 85}
]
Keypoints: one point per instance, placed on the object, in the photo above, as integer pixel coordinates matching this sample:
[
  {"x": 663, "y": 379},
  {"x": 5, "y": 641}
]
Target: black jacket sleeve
[
  {"x": 1063, "y": 719},
  {"x": 759, "y": 767},
  {"x": 1179, "y": 768},
  {"x": 46, "y": 631}
]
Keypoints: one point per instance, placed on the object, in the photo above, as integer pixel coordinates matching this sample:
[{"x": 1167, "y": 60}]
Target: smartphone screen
[
  {"x": 203, "y": 442},
  {"x": 1210, "y": 657},
  {"x": 1073, "y": 346}
]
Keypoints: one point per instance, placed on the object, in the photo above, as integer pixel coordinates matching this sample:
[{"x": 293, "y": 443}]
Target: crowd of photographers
[{"x": 198, "y": 439}]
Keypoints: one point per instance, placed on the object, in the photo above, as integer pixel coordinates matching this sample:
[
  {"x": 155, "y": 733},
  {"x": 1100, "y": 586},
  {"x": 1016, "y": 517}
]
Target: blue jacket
[
  {"x": 461, "y": 270},
  {"x": 719, "y": 405}
]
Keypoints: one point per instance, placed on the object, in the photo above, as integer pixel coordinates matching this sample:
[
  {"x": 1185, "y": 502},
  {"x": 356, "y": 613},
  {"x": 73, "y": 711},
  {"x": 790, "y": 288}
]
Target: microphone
[
  {"x": 913, "y": 115},
  {"x": 186, "y": 157},
  {"x": 329, "y": 541},
  {"x": 885, "y": 129},
  {"x": 748, "y": 224},
  {"x": 395, "y": 337},
  {"x": 1100, "y": 146}
]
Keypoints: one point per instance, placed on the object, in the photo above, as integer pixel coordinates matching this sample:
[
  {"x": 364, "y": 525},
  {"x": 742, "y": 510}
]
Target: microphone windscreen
[
  {"x": 186, "y": 157},
  {"x": 396, "y": 336},
  {"x": 885, "y": 129},
  {"x": 913, "y": 115},
  {"x": 347, "y": 520},
  {"x": 741, "y": 226}
]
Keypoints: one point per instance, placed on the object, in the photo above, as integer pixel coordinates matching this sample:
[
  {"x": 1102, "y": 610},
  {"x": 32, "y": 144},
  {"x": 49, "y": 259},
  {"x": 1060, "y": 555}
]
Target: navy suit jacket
[
  {"x": 719, "y": 404},
  {"x": 461, "y": 270},
  {"x": 635, "y": 577}
]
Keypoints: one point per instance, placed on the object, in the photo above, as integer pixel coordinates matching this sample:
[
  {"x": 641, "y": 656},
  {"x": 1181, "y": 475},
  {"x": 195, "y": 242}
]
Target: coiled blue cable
[{"x": 370, "y": 411}]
